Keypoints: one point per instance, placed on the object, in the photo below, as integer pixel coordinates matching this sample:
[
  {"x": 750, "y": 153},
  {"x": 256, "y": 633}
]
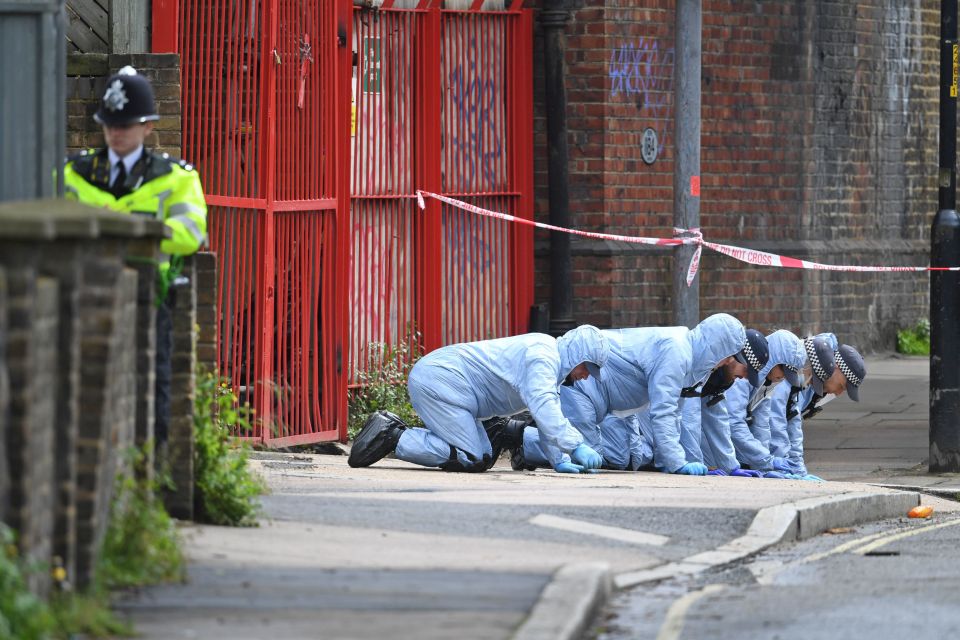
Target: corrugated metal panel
[{"x": 32, "y": 59}]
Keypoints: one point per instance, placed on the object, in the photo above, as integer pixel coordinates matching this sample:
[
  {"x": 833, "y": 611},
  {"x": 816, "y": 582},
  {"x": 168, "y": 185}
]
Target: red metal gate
[
  {"x": 443, "y": 102},
  {"x": 313, "y": 212}
]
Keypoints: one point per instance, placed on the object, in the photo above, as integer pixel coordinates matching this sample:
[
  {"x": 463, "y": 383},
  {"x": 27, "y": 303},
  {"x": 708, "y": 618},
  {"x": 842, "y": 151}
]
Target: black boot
[
  {"x": 517, "y": 460},
  {"x": 504, "y": 433},
  {"x": 511, "y": 437},
  {"x": 378, "y": 437},
  {"x": 454, "y": 465}
]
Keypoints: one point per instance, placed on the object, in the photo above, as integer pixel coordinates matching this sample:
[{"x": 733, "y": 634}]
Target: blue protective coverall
[
  {"x": 786, "y": 435},
  {"x": 587, "y": 405},
  {"x": 646, "y": 370},
  {"x": 455, "y": 387},
  {"x": 727, "y": 441}
]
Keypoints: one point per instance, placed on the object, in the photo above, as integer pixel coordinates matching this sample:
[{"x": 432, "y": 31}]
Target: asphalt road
[{"x": 884, "y": 581}]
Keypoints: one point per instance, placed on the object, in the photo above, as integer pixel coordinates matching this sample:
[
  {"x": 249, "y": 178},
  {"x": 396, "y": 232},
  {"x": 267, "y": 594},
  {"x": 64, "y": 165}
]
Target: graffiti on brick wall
[
  {"x": 476, "y": 136},
  {"x": 643, "y": 72}
]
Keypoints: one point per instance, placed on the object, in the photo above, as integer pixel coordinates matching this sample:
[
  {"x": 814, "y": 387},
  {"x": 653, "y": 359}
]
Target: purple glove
[
  {"x": 746, "y": 473},
  {"x": 774, "y": 474},
  {"x": 716, "y": 472}
]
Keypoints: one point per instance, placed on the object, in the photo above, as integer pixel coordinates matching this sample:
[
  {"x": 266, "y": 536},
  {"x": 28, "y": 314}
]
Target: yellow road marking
[
  {"x": 673, "y": 623},
  {"x": 903, "y": 534}
]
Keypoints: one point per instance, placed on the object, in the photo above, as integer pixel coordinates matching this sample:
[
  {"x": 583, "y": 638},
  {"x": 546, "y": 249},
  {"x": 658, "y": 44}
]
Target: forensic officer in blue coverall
[
  {"x": 652, "y": 366},
  {"x": 724, "y": 417},
  {"x": 455, "y": 388},
  {"x": 790, "y": 406}
]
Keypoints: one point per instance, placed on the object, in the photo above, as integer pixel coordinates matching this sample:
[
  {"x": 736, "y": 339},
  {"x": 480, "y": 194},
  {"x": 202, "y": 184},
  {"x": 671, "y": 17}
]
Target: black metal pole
[
  {"x": 945, "y": 252},
  {"x": 686, "y": 168},
  {"x": 553, "y": 19}
]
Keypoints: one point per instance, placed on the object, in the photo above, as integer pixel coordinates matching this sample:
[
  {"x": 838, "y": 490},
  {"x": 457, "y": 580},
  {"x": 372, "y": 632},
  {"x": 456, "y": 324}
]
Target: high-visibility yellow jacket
[{"x": 160, "y": 186}]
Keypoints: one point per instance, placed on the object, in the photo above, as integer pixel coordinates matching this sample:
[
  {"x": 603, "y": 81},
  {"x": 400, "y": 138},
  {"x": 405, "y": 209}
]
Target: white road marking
[
  {"x": 673, "y": 623},
  {"x": 630, "y": 536}
]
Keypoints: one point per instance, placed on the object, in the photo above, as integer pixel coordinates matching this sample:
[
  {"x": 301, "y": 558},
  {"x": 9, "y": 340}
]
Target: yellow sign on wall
[{"x": 956, "y": 71}]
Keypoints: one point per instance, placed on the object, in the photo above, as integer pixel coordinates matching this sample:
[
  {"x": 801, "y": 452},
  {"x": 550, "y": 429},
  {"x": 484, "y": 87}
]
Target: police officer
[{"x": 127, "y": 177}]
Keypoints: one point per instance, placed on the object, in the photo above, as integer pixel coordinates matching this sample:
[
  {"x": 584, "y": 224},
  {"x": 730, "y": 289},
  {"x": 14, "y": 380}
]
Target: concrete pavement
[{"x": 414, "y": 553}]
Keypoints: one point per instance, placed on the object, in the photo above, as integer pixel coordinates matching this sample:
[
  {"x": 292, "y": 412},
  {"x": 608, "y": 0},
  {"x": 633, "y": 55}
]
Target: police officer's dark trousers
[{"x": 164, "y": 368}]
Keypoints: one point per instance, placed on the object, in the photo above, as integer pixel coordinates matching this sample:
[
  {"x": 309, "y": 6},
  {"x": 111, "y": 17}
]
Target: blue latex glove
[
  {"x": 746, "y": 473},
  {"x": 813, "y": 478},
  {"x": 793, "y": 476},
  {"x": 716, "y": 472},
  {"x": 775, "y": 474},
  {"x": 783, "y": 465},
  {"x": 567, "y": 467},
  {"x": 586, "y": 457},
  {"x": 693, "y": 469}
]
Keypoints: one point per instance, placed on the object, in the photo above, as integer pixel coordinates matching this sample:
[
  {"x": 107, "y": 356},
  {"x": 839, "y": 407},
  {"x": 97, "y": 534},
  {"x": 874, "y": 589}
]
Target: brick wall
[
  {"x": 107, "y": 387},
  {"x": 4, "y": 399},
  {"x": 87, "y": 75},
  {"x": 179, "y": 500},
  {"x": 819, "y": 140},
  {"x": 31, "y": 358},
  {"x": 68, "y": 325}
]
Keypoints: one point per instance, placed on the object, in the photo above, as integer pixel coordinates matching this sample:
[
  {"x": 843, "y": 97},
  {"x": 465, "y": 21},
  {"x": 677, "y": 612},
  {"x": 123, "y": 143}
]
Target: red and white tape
[{"x": 684, "y": 236}]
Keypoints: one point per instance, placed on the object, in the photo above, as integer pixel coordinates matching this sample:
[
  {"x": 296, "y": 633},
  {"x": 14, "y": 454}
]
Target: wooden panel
[
  {"x": 88, "y": 27},
  {"x": 129, "y": 24}
]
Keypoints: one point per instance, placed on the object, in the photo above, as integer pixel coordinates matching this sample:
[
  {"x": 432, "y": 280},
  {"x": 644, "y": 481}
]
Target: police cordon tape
[{"x": 682, "y": 236}]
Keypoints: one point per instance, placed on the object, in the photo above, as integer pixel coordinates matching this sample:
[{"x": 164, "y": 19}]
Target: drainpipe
[{"x": 553, "y": 20}]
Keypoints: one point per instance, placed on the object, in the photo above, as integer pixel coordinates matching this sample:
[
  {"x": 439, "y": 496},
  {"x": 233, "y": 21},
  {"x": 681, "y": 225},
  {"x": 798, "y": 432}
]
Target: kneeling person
[{"x": 455, "y": 388}]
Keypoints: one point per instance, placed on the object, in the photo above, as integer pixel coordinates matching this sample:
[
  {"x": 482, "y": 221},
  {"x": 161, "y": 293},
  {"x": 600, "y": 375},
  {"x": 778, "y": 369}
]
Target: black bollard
[
  {"x": 945, "y": 344},
  {"x": 945, "y": 252}
]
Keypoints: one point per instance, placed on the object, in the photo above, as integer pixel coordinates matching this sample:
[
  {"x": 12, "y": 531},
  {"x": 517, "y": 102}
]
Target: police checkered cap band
[
  {"x": 751, "y": 357},
  {"x": 814, "y": 360},
  {"x": 847, "y": 372}
]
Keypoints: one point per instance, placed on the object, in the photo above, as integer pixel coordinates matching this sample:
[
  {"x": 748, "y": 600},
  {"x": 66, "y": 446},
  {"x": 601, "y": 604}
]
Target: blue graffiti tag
[
  {"x": 475, "y": 100},
  {"x": 645, "y": 72}
]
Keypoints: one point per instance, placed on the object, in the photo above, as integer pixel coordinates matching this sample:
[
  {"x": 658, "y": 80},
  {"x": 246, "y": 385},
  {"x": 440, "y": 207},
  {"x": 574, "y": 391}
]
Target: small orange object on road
[{"x": 921, "y": 512}]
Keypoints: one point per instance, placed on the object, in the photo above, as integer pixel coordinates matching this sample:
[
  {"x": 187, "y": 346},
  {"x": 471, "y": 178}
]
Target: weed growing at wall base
[
  {"x": 915, "y": 341},
  {"x": 383, "y": 384},
  {"x": 226, "y": 488},
  {"x": 142, "y": 545},
  {"x": 22, "y": 615}
]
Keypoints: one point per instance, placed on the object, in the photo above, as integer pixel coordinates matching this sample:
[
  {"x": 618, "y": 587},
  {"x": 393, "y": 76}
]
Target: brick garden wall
[
  {"x": 819, "y": 140},
  {"x": 87, "y": 75}
]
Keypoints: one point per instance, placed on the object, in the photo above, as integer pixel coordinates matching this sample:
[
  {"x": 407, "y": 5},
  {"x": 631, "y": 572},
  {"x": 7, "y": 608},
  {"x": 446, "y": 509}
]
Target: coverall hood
[
  {"x": 786, "y": 349},
  {"x": 716, "y": 338},
  {"x": 585, "y": 344}
]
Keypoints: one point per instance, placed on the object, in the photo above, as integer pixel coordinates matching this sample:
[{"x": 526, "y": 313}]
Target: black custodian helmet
[{"x": 128, "y": 99}]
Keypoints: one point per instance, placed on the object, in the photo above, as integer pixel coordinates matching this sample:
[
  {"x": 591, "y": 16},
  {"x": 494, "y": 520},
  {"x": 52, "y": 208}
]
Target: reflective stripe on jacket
[{"x": 161, "y": 186}]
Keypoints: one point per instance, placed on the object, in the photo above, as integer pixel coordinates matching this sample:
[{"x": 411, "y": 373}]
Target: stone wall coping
[{"x": 51, "y": 219}]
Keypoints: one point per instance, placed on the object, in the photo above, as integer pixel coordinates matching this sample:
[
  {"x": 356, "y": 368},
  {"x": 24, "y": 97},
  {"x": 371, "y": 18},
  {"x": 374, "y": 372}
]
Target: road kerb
[
  {"x": 568, "y": 603},
  {"x": 782, "y": 523}
]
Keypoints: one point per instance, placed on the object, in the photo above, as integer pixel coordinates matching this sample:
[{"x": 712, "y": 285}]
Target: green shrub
[
  {"x": 86, "y": 615},
  {"x": 915, "y": 341},
  {"x": 22, "y": 615},
  {"x": 383, "y": 384},
  {"x": 142, "y": 545},
  {"x": 226, "y": 488}
]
